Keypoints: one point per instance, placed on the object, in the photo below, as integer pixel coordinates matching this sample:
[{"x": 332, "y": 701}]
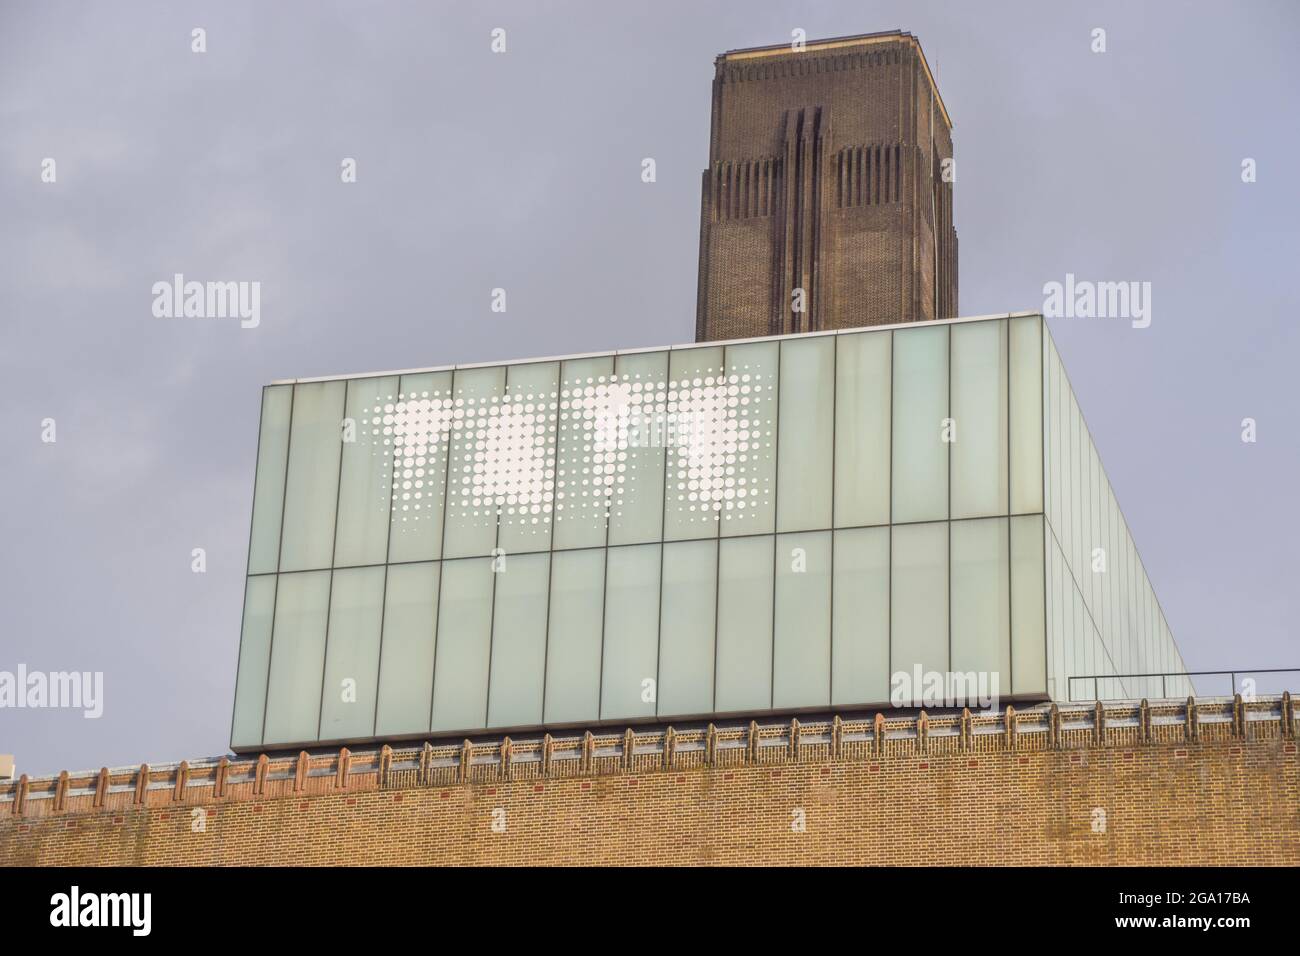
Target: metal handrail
[{"x": 1167, "y": 674}]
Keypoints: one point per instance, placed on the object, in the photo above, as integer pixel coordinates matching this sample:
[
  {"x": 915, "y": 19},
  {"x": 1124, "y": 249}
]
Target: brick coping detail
[{"x": 1047, "y": 728}]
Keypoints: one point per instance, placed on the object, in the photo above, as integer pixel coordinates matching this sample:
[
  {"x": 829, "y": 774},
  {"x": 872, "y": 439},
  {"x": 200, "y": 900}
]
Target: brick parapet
[
  {"x": 267, "y": 777},
  {"x": 1164, "y": 783}
]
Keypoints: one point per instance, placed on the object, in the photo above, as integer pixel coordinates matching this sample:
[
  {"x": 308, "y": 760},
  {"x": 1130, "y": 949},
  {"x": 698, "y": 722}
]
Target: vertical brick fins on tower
[{"x": 826, "y": 175}]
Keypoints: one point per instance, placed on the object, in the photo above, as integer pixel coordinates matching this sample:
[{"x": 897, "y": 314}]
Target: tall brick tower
[{"x": 825, "y": 175}]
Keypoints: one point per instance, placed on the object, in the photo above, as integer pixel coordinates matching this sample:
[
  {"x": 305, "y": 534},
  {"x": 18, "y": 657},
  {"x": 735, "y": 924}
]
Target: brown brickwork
[
  {"x": 825, "y": 175},
  {"x": 1215, "y": 783}
]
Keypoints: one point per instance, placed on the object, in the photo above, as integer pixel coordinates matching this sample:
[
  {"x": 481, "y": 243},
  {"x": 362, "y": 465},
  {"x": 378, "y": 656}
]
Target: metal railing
[{"x": 1165, "y": 677}]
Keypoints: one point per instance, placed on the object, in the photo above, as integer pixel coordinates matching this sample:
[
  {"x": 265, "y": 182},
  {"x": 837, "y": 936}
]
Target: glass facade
[{"x": 771, "y": 525}]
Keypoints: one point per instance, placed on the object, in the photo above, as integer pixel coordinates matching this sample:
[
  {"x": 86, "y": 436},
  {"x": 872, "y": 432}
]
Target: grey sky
[{"x": 225, "y": 165}]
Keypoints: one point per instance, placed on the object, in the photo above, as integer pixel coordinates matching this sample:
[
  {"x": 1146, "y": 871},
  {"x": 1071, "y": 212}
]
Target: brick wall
[{"x": 1177, "y": 782}]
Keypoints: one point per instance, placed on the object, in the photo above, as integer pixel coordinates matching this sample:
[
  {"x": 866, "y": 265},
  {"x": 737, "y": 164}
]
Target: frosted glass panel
[
  {"x": 805, "y": 446},
  {"x": 1076, "y": 545},
  {"x": 421, "y": 420},
  {"x": 1055, "y": 637},
  {"x": 254, "y": 661},
  {"x": 1026, "y": 406},
  {"x": 476, "y": 478},
  {"x": 311, "y": 492},
  {"x": 589, "y": 425},
  {"x": 464, "y": 644},
  {"x": 631, "y": 646},
  {"x": 1113, "y": 605},
  {"x": 862, "y": 413},
  {"x": 406, "y": 656},
  {"x": 696, "y": 433},
  {"x": 1052, "y": 434},
  {"x": 745, "y": 624},
  {"x": 919, "y": 598},
  {"x": 297, "y": 657},
  {"x": 519, "y": 641},
  {"x": 365, "y": 475},
  {"x": 573, "y": 641},
  {"x": 981, "y": 611},
  {"x": 860, "y": 646},
  {"x": 1061, "y": 442},
  {"x": 1063, "y": 621},
  {"x": 920, "y": 455},
  {"x": 1028, "y": 639},
  {"x": 686, "y": 628},
  {"x": 268, "y": 493},
  {"x": 637, "y": 511},
  {"x": 801, "y": 668},
  {"x": 352, "y": 653},
  {"x": 979, "y": 409},
  {"x": 1069, "y": 456},
  {"x": 749, "y": 504},
  {"x": 521, "y": 439}
]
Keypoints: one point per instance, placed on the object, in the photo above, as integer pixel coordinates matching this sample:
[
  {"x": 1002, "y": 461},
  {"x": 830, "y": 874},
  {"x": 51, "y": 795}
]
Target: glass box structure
[{"x": 758, "y": 526}]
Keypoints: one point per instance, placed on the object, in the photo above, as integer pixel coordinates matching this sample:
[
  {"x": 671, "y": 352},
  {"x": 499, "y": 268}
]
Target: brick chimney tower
[{"x": 827, "y": 203}]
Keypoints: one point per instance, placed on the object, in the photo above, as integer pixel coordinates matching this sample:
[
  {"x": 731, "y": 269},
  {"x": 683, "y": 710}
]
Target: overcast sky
[{"x": 522, "y": 171}]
